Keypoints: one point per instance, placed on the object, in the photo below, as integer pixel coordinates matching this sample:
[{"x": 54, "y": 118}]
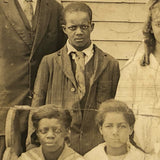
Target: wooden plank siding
[{"x": 118, "y": 25}]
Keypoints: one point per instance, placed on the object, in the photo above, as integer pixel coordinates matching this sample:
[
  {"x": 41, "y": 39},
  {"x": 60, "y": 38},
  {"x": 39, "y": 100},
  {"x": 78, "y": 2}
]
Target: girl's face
[
  {"x": 115, "y": 130},
  {"x": 51, "y": 134},
  {"x": 156, "y": 21}
]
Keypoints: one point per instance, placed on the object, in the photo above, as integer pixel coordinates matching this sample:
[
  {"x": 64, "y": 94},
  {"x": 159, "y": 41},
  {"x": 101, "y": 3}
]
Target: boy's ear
[
  {"x": 64, "y": 28},
  {"x": 92, "y": 26}
]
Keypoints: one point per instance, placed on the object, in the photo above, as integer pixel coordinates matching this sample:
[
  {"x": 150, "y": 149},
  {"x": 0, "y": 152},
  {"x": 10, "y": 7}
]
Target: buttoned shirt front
[{"x": 23, "y": 3}]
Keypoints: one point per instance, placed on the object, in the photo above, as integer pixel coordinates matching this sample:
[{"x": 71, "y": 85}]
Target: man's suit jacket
[
  {"x": 19, "y": 59},
  {"x": 55, "y": 83}
]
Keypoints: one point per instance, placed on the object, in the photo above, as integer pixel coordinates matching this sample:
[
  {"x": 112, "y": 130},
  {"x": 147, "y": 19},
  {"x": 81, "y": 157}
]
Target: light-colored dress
[
  {"x": 36, "y": 154},
  {"x": 98, "y": 153},
  {"x": 139, "y": 87}
]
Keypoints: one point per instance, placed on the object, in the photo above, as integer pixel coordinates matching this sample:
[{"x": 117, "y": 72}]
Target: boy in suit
[{"x": 79, "y": 77}]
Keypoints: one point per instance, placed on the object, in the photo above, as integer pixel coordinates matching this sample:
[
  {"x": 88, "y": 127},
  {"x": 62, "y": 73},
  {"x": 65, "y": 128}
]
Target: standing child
[{"x": 79, "y": 77}]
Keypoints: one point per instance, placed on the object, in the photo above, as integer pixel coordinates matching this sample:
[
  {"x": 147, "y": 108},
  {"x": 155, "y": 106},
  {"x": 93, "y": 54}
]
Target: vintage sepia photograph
[{"x": 79, "y": 79}]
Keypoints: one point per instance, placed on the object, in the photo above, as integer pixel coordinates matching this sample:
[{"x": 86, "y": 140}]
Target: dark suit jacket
[
  {"x": 19, "y": 60},
  {"x": 55, "y": 83}
]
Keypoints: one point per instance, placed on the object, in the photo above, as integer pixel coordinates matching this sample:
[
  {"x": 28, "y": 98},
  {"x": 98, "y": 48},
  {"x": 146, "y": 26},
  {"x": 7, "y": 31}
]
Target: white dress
[
  {"x": 139, "y": 87},
  {"x": 98, "y": 153}
]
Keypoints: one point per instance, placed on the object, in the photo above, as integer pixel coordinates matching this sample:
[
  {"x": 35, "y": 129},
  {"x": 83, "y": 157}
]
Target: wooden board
[
  {"x": 13, "y": 136},
  {"x": 122, "y": 62},
  {"x": 13, "y": 129},
  {"x": 128, "y": 12},
  {"x": 106, "y": 1},
  {"x": 119, "y": 50},
  {"x": 117, "y": 31}
]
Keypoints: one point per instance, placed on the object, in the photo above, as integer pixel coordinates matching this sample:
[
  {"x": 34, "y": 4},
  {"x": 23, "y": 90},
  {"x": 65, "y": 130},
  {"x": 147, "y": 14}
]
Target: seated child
[
  {"x": 116, "y": 124},
  {"x": 52, "y": 126}
]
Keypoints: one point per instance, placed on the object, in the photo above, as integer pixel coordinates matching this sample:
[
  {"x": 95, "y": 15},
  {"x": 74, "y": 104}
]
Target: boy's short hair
[{"x": 77, "y": 6}]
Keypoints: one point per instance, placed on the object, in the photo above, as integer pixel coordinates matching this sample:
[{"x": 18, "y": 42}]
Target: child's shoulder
[
  {"x": 104, "y": 53},
  {"x": 96, "y": 152},
  {"x": 136, "y": 153},
  {"x": 31, "y": 154}
]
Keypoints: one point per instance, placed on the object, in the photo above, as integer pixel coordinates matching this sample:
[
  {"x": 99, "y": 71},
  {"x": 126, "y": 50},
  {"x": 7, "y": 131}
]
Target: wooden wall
[{"x": 118, "y": 25}]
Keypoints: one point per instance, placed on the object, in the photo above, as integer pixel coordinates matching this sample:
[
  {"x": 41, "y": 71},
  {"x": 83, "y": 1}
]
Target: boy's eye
[
  {"x": 72, "y": 28},
  {"x": 84, "y": 27}
]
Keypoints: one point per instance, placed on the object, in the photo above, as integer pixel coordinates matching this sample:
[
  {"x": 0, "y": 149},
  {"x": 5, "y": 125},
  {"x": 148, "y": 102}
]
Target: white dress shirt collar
[{"x": 88, "y": 51}]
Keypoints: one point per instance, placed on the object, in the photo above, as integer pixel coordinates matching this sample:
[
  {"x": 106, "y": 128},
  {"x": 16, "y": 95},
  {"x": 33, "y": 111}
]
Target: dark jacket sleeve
[
  {"x": 61, "y": 36},
  {"x": 39, "y": 97},
  {"x": 41, "y": 84},
  {"x": 115, "y": 78}
]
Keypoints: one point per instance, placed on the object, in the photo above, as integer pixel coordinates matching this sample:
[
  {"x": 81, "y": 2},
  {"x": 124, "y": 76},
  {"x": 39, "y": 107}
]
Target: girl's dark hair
[
  {"x": 113, "y": 105},
  {"x": 149, "y": 38},
  {"x": 51, "y": 111}
]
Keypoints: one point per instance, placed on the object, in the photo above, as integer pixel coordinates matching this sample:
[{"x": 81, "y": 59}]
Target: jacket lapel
[
  {"x": 64, "y": 61},
  {"x": 43, "y": 20},
  {"x": 100, "y": 63},
  {"x": 12, "y": 14}
]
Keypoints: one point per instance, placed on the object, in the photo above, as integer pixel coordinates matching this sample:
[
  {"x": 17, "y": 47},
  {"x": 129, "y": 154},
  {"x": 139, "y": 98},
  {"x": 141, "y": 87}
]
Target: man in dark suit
[
  {"x": 78, "y": 77},
  {"x": 28, "y": 31}
]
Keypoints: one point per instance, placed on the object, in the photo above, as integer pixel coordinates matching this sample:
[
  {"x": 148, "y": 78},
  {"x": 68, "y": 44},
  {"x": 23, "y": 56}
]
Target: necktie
[
  {"x": 28, "y": 10},
  {"x": 80, "y": 73}
]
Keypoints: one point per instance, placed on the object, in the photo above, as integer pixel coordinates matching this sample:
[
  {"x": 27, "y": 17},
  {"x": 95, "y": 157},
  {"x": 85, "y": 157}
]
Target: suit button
[
  {"x": 81, "y": 133},
  {"x": 73, "y": 89}
]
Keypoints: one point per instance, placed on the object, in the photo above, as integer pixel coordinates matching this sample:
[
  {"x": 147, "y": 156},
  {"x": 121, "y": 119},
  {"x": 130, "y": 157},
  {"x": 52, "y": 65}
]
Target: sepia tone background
[{"x": 118, "y": 25}]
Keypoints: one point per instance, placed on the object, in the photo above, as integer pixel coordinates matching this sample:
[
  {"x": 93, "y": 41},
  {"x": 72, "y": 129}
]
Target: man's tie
[
  {"x": 28, "y": 10},
  {"x": 80, "y": 73}
]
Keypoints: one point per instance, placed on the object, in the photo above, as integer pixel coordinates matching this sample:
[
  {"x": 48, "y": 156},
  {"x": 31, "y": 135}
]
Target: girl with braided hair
[{"x": 139, "y": 84}]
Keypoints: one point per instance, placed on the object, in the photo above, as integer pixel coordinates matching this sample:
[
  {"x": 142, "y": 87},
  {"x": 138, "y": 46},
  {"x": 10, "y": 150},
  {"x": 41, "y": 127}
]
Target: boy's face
[{"x": 78, "y": 29}]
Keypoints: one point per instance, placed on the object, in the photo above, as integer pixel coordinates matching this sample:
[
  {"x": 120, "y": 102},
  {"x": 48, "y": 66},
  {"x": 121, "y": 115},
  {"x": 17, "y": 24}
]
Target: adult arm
[
  {"x": 39, "y": 96},
  {"x": 115, "y": 78}
]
